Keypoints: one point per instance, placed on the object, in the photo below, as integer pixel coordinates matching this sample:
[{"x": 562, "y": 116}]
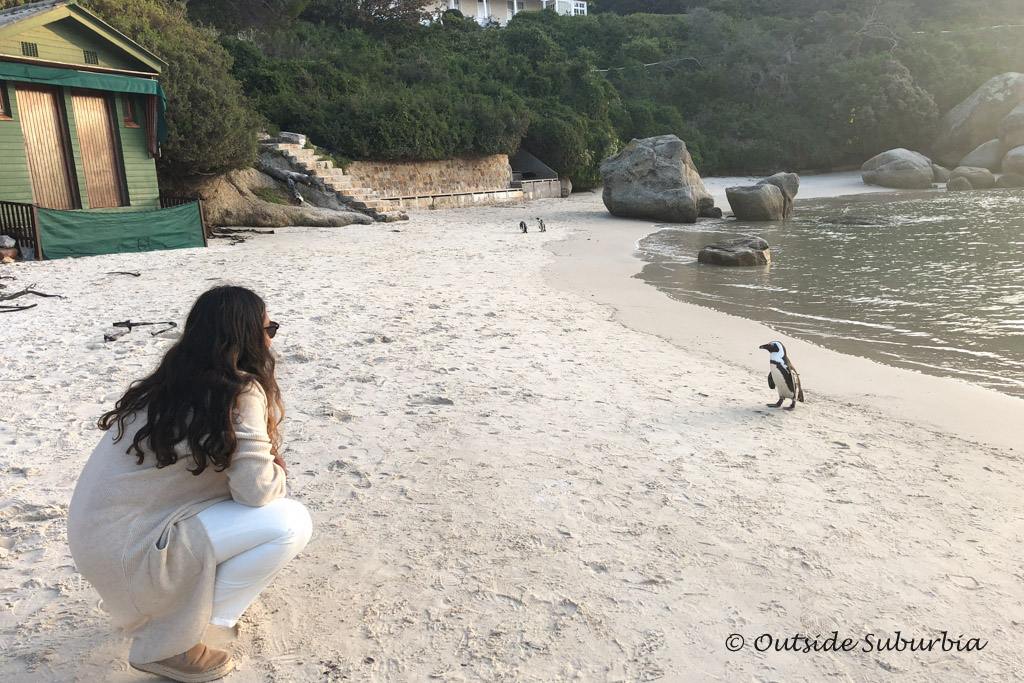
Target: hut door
[
  {"x": 46, "y": 146},
  {"x": 94, "y": 119}
]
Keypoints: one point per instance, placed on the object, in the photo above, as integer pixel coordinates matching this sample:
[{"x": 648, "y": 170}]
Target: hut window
[
  {"x": 128, "y": 106},
  {"x": 29, "y": 49},
  {"x": 91, "y": 57},
  {"x": 5, "y": 103}
]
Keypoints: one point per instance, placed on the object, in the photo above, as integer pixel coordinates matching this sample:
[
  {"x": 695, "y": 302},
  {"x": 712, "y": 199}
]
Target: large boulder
[
  {"x": 789, "y": 183},
  {"x": 233, "y": 199},
  {"x": 1010, "y": 181},
  {"x": 977, "y": 118},
  {"x": 959, "y": 184},
  {"x": 745, "y": 251},
  {"x": 986, "y": 155},
  {"x": 1011, "y": 129},
  {"x": 940, "y": 174},
  {"x": 1013, "y": 162},
  {"x": 757, "y": 202},
  {"x": 899, "y": 168},
  {"x": 655, "y": 179},
  {"x": 979, "y": 178}
]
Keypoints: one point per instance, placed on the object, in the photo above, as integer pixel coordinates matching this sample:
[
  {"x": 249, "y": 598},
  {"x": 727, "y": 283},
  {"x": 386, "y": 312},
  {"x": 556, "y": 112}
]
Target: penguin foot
[
  {"x": 775, "y": 405},
  {"x": 791, "y": 405}
]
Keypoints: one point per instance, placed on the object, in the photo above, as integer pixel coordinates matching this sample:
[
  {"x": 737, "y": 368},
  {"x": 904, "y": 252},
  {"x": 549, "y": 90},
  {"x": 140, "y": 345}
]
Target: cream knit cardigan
[{"x": 135, "y": 537}]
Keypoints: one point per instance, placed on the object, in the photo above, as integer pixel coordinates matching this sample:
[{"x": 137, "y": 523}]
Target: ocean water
[{"x": 931, "y": 281}]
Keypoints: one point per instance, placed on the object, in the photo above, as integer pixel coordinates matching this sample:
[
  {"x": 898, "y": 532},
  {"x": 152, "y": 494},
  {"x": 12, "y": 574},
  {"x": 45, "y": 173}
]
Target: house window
[
  {"x": 5, "y": 104},
  {"x": 579, "y": 8},
  {"x": 514, "y": 6},
  {"x": 128, "y": 108},
  {"x": 29, "y": 49},
  {"x": 91, "y": 57},
  {"x": 456, "y": 4}
]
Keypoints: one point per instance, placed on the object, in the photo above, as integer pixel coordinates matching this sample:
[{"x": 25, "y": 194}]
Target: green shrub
[{"x": 211, "y": 125}]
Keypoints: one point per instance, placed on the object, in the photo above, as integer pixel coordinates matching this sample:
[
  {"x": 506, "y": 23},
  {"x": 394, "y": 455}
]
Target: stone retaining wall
[{"x": 396, "y": 179}]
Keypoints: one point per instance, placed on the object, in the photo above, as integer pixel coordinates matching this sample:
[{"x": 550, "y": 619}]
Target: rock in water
[
  {"x": 745, "y": 251},
  {"x": 899, "y": 168},
  {"x": 789, "y": 183},
  {"x": 654, "y": 178},
  {"x": 1011, "y": 129},
  {"x": 980, "y": 178},
  {"x": 1010, "y": 181},
  {"x": 757, "y": 202},
  {"x": 988, "y": 155},
  {"x": 940, "y": 174},
  {"x": 977, "y": 118},
  {"x": 959, "y": 184},
  {"x": 1013, "y": 162}
]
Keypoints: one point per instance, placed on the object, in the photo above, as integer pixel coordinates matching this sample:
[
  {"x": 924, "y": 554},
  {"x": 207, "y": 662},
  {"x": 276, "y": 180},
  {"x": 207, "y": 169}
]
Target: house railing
[{"x": 19, "y": 222}]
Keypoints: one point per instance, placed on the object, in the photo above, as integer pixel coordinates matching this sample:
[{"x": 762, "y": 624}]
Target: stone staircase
[{"x": 331, "y": 179}]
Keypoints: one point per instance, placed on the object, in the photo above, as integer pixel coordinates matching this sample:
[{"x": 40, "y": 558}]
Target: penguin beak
[{"x": 765, "y": 347}]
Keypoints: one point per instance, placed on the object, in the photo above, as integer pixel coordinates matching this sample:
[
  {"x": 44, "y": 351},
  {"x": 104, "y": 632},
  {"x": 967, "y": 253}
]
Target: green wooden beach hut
[{"x": 81, "y": 123}]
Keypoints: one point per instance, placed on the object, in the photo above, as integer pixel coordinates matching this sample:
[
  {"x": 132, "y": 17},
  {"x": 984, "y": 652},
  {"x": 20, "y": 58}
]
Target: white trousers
[{"x": 252, "y": 545}]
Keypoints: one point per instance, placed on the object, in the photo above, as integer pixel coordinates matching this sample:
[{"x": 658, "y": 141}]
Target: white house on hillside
[{"x": 503, "y": 10}]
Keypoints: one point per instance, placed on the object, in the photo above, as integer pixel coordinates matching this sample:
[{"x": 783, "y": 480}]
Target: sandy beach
[{"x": 523, "y": 464}]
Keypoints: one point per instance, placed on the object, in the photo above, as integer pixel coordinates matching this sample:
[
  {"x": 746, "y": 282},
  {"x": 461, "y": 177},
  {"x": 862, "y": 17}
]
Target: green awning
[{"x": 13, "y": 71}]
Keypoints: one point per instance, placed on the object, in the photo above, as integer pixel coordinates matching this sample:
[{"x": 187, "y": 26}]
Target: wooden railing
[
  {"x": 167, "y": 202},
  {"x": 19, "y": 221}
]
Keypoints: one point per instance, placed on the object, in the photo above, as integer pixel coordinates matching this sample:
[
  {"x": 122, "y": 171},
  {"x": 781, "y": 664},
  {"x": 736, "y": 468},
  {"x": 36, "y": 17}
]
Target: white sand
[{"x": 527, "y": 467}]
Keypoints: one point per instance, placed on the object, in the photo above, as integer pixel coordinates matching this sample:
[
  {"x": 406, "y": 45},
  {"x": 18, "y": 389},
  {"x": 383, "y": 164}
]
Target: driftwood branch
[
  {"x": 285, "y": 176},
  {"x": 28, "y": 290},
  {"x": 12, "y": 309}
]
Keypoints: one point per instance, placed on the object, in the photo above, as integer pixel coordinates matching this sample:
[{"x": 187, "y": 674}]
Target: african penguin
[
  {"x": 543, "y": 228},
  {"x": 522, "y": 226},
  {"x": 783, "y": 375}
]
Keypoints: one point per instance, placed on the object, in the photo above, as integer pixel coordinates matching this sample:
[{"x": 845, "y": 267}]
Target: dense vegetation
[
  {"x": 211, "y": 126},
  {"x": 751, "y": 85}
]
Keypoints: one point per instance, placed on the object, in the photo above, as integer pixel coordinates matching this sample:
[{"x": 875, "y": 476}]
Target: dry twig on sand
[
  {"x": 12, "y": 309},
  {"x": 29, "y": 290}
]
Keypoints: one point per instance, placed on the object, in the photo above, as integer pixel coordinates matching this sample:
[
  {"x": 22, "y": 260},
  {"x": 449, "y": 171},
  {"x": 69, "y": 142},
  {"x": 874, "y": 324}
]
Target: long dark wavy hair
[{"x": 192, "y": 394}]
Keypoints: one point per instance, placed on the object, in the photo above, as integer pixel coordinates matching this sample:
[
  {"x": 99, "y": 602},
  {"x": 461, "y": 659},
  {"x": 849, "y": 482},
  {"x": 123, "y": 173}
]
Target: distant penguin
[
  {"x": 783, "y": 376},
  {"x": 543, "y": 228},
  {"x": 522, "y": 226}
]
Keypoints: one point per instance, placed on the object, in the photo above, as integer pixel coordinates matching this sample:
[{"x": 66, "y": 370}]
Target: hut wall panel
[
  {"x": 76, "y": 150},
  {"x": 139, "y": 168},
  {"x": 43, "y": 126},
  {"x": 15, "y": 181},
  {"x": 65, "y": 41},
  {"x": 97, "y": 137}
]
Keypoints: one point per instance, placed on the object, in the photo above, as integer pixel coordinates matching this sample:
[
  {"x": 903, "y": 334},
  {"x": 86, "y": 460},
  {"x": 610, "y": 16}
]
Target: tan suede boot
[{"x": 198, "y": 665}]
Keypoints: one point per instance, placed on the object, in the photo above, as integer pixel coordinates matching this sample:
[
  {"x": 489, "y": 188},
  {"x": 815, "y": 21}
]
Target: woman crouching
[{"x": 179, "y": 518}]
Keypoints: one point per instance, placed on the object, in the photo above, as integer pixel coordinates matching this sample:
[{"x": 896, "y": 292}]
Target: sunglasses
[{"x": 272, "y": 329}]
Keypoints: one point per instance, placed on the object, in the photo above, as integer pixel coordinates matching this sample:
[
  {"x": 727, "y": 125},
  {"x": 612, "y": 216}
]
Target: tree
[{"x": 211, "y": 125}]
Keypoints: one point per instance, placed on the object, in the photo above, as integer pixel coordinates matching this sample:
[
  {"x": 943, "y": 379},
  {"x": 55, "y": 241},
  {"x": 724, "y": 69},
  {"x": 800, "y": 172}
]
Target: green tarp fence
[
  {"x": 89, "y": 233},
  {"x": 11, "y": 71}
]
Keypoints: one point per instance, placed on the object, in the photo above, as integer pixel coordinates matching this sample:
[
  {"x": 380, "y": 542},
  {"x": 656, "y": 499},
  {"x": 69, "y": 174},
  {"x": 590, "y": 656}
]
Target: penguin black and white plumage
[
  {"x": 543, "y": 228},
  {"x": 522, "y": 226},
  {"x": 783, "y": 376}
]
